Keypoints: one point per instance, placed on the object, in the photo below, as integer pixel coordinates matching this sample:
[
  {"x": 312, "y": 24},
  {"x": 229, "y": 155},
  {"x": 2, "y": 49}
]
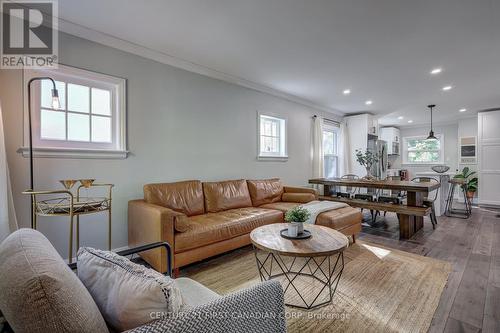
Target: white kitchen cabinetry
[
  {"x": 489, "y": 157},
  {"x": 358, "y": 128},
  {"x": 393, "y": 137},
  {"x": 372, "y": 125}
]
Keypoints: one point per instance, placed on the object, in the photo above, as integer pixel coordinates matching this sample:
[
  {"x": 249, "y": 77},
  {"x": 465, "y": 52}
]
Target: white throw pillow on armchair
[{"x": 127, "y": 294}]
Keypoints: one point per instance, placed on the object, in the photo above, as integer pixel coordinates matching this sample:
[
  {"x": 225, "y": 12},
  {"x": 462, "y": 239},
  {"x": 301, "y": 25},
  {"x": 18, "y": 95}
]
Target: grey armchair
[
  {"x": 40, "y": 293},
  {"x": 242, "y": 311}
]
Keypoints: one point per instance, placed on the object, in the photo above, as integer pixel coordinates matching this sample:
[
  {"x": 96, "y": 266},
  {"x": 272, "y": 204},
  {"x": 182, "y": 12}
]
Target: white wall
[
  {"x": 181, "y": 125},
  {"x": 450, "y": 146}
]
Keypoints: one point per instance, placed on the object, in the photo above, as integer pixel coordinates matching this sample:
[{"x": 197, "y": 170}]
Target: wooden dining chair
[
  {"x": 430, "y": 199},
  {"x": 350, "y": 191},
  {"x": 389, "y": 196},
  {"x": 369, "y": 196}
]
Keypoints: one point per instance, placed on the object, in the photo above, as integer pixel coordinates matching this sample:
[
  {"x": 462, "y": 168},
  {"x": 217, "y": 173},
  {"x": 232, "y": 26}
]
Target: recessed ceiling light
[
  {"x": 462, "y": 110},
  {"x": 446, "y": 88},
  {"x": 410, "y": 121},
  {"x": 436, "y": 71},
  {"x": 401, "y": 117},
  {"x": 369, "y": 102},
  {"x": 347, "y": 91}
]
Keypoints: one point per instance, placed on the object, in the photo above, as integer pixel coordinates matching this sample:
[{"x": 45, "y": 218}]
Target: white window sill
[
  {"x": 273, "y": 158},
  {"x": 74, "y": 153}
]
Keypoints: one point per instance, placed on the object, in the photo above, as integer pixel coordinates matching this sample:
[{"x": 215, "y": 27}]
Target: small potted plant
[
  {"x": 367, "y": 159},
  {"x": 296, "y": 217},
  {"x": 470, "y": 182}
]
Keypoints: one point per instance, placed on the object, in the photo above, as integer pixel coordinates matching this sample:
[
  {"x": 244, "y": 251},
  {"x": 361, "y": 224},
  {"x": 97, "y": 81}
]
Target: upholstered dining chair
[{"x": 430, "y": 199}]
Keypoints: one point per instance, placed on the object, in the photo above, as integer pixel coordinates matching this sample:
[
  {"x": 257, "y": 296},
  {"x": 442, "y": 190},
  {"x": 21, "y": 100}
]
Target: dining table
[{"x": 410, "y": 215}]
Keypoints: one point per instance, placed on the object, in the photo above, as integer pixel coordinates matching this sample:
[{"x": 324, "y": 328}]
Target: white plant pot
[
  {"x": 300, "y": 227},
  {"x": 292, "y": 230}
]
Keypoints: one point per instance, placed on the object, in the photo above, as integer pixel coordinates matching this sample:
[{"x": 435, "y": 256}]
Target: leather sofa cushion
[
  {"x": 341, "y": 218},
  {"x": 181, "y": 223},
  {"x": 282, "y": 206},
  {"x": 265, "y": 191},
  {"x": 185, "y": 197},
  {"x": 298, "y": 197},
  {"x": 215, "y": 227},
  {"x": 226, "y": 195}
]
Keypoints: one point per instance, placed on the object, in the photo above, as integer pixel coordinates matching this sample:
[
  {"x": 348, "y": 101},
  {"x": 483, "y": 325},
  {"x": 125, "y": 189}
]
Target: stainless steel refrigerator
[{"x": 379, "y": 147}]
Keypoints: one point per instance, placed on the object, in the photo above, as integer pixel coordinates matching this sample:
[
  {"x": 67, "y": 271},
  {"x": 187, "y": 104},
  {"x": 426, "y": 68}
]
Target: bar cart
[{"x": 65, "y": 203}]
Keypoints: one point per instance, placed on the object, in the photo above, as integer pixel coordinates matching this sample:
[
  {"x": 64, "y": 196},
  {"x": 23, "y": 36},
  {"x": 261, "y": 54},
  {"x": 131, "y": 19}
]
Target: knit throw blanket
[{"x": 317, "y": 207}]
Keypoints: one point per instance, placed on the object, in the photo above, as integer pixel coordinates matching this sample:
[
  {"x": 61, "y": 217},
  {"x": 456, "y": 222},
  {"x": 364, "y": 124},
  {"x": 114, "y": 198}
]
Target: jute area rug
[{"x": 381, "y": 289}]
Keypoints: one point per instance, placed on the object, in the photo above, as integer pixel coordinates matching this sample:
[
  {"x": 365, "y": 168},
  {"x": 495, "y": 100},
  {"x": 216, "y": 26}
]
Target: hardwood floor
[{"x": 471, "y": 299}]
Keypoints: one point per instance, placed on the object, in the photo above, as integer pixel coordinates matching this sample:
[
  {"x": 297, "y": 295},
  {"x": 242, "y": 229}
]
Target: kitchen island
[{"x": 443, "y": 179}]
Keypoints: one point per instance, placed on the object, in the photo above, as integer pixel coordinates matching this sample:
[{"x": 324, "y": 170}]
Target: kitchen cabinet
[
  {"x": 359, "y": 128},
  {"x": 392, "y": 136},
  {"x": 489, "y": 158},
  {"x": 372, "y": 125}
]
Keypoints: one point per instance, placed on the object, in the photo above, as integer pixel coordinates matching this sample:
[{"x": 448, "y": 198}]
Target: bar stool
[
  {"x": 457, "y": 212},
  {"x": 429, "y": 201}
]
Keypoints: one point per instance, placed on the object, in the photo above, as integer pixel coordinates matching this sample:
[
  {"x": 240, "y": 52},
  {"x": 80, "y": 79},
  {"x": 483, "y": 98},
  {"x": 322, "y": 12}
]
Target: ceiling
[{"x": 314, "y": 49}]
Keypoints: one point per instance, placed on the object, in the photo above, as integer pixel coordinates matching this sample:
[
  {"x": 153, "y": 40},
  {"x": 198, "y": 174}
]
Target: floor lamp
[{"x": 55, "y": 105}]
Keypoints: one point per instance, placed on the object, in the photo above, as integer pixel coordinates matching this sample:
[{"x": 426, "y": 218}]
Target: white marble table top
[{"x": 433, "y": 173}]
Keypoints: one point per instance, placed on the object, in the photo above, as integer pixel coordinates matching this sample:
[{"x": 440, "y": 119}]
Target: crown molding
[{"x": 165, "y": 58}]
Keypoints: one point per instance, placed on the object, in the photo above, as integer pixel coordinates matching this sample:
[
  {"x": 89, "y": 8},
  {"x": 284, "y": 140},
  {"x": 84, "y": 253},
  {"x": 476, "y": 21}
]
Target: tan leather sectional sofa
[{"x": 200, "y": 220}]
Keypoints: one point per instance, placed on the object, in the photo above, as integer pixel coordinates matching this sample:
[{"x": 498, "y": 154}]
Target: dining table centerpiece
[{"x": 367, "y": 159}]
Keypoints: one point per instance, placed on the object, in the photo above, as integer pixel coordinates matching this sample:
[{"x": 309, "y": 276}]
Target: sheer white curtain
[
  {"x": 318, "y": 155},
  {"x": 344, "y": 151},
  {"x": 8, "y": 222}
]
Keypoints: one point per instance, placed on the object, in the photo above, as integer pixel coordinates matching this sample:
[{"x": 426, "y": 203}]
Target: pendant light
[{"x": 431, "y": 133}]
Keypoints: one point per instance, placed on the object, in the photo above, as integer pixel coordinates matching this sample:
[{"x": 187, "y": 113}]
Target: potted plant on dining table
[
  {"x": 367, "y": 159},
  {"x": 296, "y": 217}
]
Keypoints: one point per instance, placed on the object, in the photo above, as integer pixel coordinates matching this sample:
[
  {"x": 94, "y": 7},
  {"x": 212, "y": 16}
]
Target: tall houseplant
[
  {"x": 367, "y": 159},
  {"x": 470, "y": 181}
]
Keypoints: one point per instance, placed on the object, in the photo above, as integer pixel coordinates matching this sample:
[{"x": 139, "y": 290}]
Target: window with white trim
[
  {"x": 272, "y": 137},
  {"x": 90, "y": 118},
  {"x": 419, "y": 150},
  {"x": 330, "y": 151}
]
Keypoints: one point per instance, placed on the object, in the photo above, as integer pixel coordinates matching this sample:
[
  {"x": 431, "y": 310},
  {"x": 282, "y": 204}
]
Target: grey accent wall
[{"x": 181, "y": 125}]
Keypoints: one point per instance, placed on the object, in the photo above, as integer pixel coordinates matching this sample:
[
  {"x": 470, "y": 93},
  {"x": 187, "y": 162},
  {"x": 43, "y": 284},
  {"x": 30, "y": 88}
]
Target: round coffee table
[{"x": 324, "y": 248}]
